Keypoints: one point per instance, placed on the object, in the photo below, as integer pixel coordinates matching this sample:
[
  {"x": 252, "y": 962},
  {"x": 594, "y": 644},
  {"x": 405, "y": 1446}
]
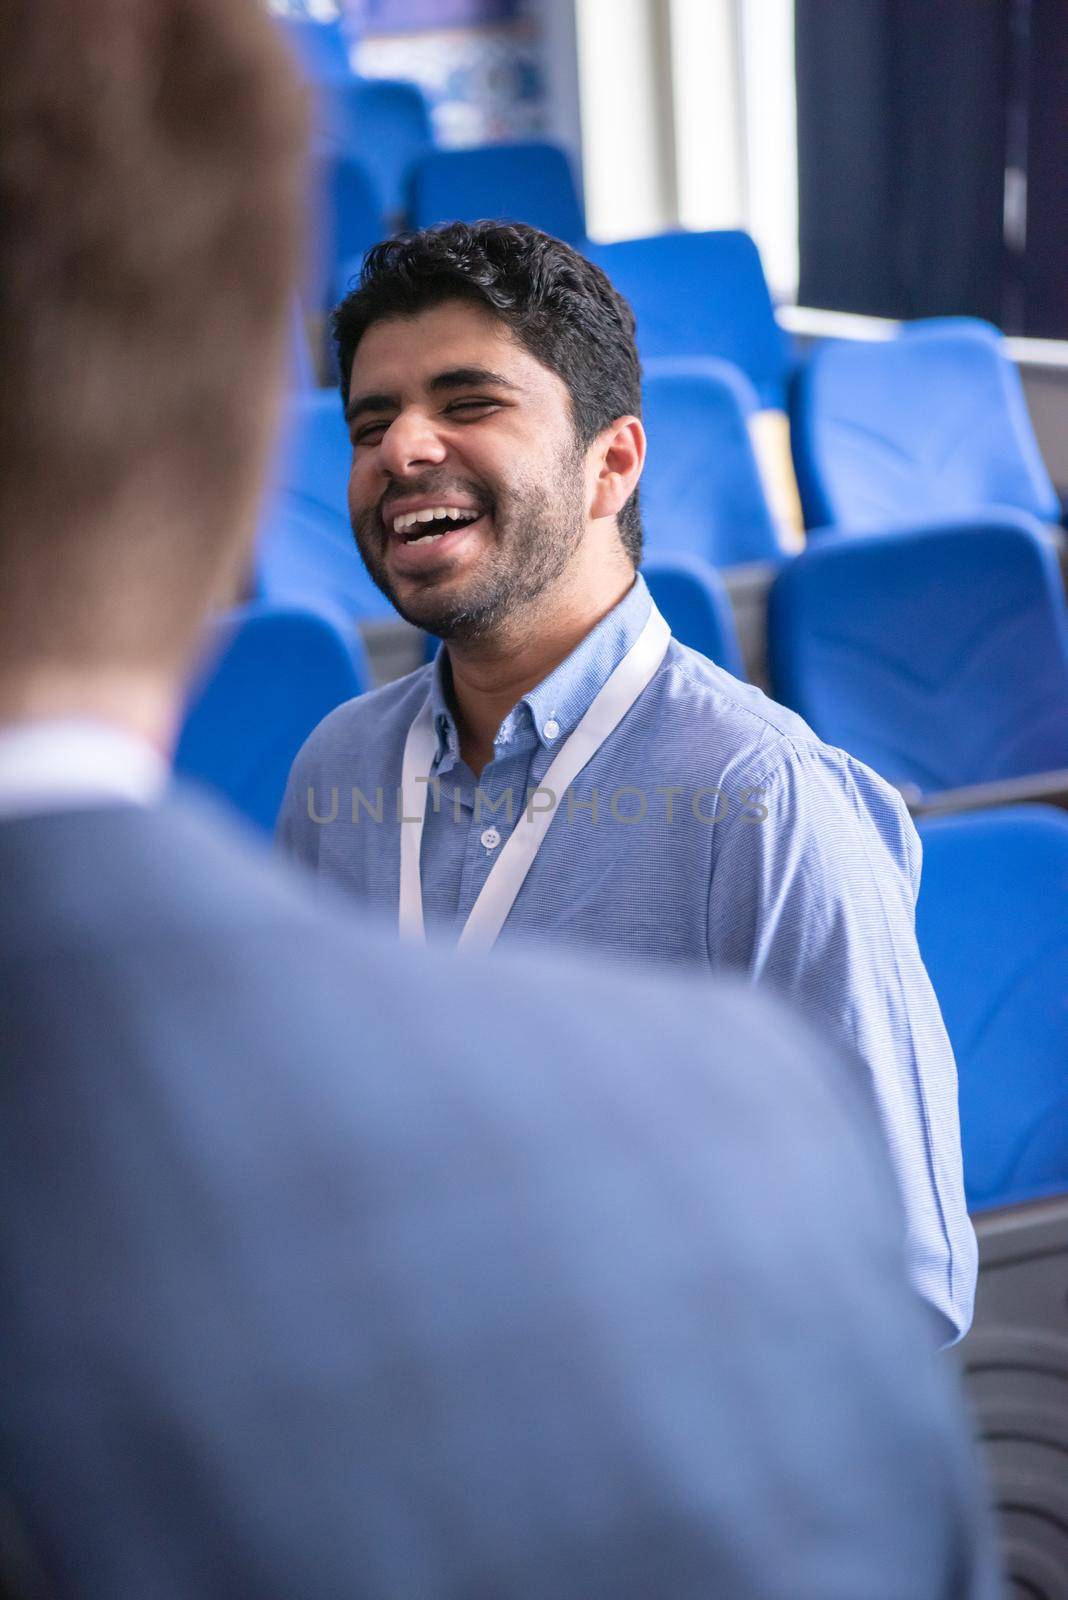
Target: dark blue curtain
[
  {"x": 1044, "y": 287},
  {"x": 902, "y": 121}
]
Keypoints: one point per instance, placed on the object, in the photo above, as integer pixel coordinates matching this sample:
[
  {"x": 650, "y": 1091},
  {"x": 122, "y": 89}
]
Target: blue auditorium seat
[
  {"x": 269, "y": 677},
  {"x": 350, "y": 220},
  {"x": 938, "y": 655},
  {"x": 932, "y": 423},
  {"x": 992, "y": 923},
  {"x": 977, "y": 327},
  {"x": 306, "y": 554},
  {"x": 383, "y": 123},
  {"x": 691, "y": 596},
  {"x": 527, "y": 182},
  {"x": 701, "y": 491},
  {"x": 703, "y": 294},
  {"x": 321, "y": 48}
]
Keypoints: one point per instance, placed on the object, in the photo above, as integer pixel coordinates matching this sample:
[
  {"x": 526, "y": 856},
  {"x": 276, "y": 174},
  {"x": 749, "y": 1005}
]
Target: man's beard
[{"x": 537, "y": 531}]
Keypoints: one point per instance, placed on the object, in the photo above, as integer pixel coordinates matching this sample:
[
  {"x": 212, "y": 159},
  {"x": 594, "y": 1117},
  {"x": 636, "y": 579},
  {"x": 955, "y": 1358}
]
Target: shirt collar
[
  {"x": 60, "y": 764},
  {"x": 557, "y": 704},
  {"x": 445, "y": 730}
]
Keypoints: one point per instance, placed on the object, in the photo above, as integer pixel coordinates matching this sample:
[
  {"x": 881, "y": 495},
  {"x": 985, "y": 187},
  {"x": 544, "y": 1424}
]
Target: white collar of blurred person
[{"x": 50, "y": 764}]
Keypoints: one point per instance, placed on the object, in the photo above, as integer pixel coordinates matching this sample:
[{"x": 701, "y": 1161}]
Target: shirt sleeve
[{"x": 813, "y": 892}]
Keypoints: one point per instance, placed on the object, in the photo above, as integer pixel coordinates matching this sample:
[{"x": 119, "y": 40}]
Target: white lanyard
[{"x": 498, "y": 894}]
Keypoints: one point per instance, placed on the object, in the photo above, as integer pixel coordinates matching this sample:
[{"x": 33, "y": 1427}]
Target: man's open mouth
[{"x": 433, "y": 523}]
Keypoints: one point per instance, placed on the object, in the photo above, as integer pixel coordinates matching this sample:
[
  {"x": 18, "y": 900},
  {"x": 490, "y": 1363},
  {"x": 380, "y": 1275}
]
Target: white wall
[
  {"x": 623, "y": 75},
  {"x": 708, "y": 123},
  {"x": 689, "y": 120},
  {"x": 769, "y": 102}
]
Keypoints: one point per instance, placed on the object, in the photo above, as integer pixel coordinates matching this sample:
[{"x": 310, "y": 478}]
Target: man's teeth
[{"x": 432, "y": 514}]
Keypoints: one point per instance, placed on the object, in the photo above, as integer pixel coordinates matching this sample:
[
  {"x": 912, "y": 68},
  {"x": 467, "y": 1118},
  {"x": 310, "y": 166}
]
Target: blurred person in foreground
[
  {"x": 565, "y": 771},
  {"x": 332, "y": 1269}
]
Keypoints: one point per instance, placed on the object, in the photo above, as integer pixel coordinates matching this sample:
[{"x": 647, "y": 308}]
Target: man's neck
[
  {"x": 492, "y": 674},
  {"x": 145, "y": 706}
]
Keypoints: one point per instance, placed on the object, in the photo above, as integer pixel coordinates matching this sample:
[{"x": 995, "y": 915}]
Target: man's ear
[{"x": 617, "y": 456}]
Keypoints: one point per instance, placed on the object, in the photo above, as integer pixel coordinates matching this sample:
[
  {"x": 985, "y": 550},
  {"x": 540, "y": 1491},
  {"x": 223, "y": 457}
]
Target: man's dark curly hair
[{"x": 558, "y": 305}]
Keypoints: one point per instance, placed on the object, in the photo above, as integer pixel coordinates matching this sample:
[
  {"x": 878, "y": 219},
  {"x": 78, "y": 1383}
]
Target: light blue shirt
[{"x": 712, "y": 828}]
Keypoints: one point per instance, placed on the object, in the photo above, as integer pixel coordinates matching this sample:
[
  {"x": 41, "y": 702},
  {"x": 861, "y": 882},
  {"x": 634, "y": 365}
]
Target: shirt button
[
  {"x": 491, "y": 838},
  {"x": 552, "y": 728}
]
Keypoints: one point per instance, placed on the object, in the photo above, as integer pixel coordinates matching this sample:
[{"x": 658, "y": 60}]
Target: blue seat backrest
[
  {"x": 931, "y": 423},
  {"x": 939, "y": 655},
  {"x": 349, "y": 219},
  {"x": 693, "y": 600},
  {"x": 973, "y": 327},
  {"x": 993, "y": 931},
  {"x": 701, "y": 491},
  {"x": 269, "y": 676},
  {"x": 383, "y": 122},
  {"x": 703, "y": 294},
  {"x": 305, "y": 553},
  {"x": 527, "y": 182},
  {"x": 321, "y": 48}
]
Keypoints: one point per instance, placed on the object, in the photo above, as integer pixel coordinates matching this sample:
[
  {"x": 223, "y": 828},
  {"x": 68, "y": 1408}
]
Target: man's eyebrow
[
  {"x": 452, "y": 378},
  {"x": 470, "y": 378},
  {"x": 370, "y": 402}
]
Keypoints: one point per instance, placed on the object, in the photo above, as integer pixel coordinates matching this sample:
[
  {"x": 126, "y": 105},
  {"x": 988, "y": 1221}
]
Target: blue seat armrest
[{"x": 1039, "y": 788}]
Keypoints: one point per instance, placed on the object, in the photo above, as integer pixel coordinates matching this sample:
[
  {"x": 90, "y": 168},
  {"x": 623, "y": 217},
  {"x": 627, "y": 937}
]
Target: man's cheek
[{"x": 362, "y": 513}]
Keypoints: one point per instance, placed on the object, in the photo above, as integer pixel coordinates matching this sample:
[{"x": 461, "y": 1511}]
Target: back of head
[{"x": 151, "y": 166}]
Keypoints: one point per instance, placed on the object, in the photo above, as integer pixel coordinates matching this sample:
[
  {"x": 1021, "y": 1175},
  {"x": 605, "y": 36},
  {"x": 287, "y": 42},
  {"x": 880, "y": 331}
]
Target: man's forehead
[{"x": 411, "y": 349}]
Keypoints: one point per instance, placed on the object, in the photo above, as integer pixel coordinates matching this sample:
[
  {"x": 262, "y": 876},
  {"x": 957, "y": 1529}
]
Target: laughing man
[{"x": 565, "y": 771}]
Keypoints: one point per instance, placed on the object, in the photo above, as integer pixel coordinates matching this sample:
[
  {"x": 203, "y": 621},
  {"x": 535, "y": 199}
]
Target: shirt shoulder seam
[{"x": 783, "y": 742}]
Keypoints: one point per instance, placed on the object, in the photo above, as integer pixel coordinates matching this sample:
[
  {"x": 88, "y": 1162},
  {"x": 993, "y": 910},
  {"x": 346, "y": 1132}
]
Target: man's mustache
[{"x": 437, "y": 489}]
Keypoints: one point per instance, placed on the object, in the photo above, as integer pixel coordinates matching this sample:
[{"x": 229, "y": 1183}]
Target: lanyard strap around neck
[{"x": 498, "y": 894}]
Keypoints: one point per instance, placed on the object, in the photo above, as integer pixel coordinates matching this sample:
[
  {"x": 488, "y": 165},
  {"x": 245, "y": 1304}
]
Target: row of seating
[
  {"x": 931, "y": 425},
  {"x": 694, "y": 294},
  {"x": 933, "y": 422},
  {"x": 937, "y": 655},
  {"x": 935, "y": 651}
]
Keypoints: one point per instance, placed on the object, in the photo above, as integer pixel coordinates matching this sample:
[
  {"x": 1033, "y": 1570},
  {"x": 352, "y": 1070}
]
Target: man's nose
[{"x": 410, "y": 443}]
